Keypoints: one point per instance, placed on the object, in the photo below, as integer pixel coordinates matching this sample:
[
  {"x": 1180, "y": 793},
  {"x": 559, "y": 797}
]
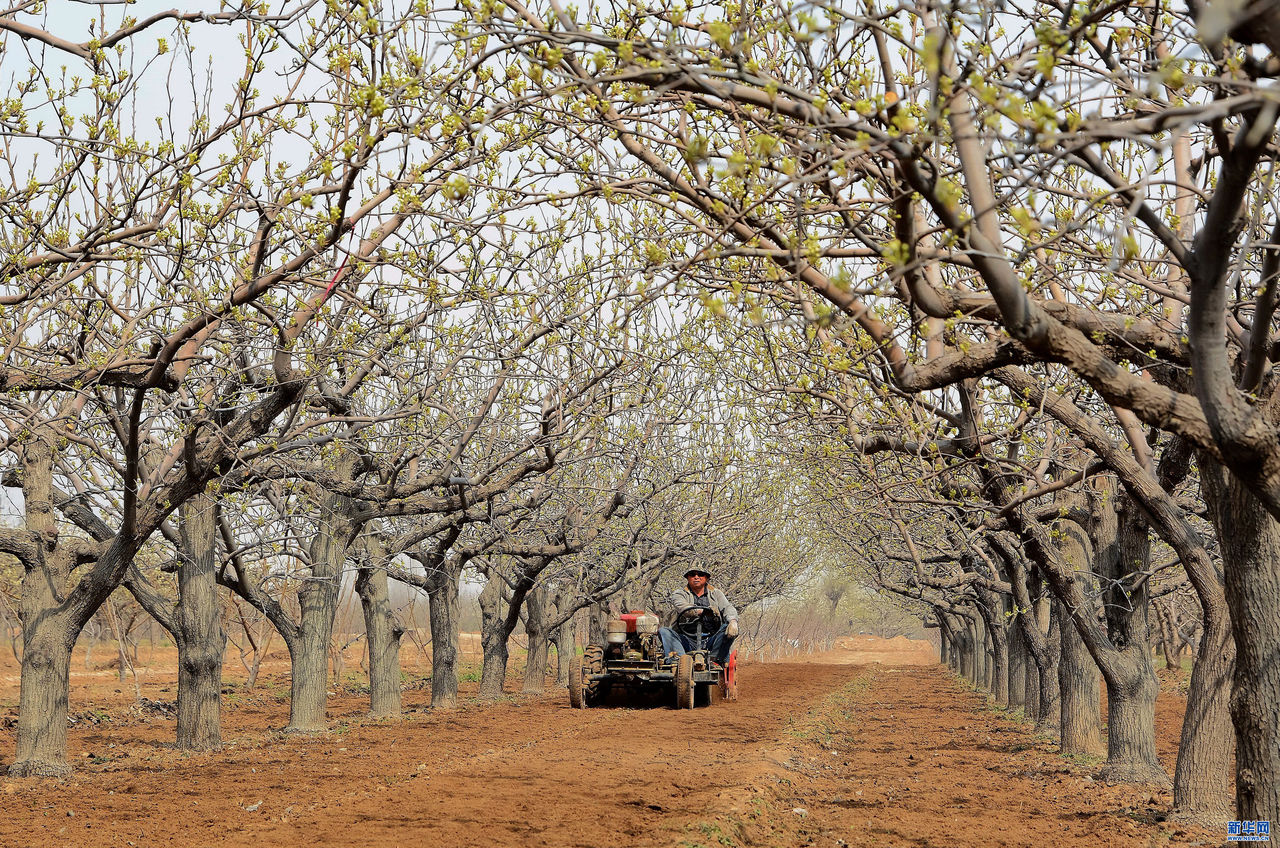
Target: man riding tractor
[
  {"x": 701, "y": 618},
  {"x": 693, "y": 656}
]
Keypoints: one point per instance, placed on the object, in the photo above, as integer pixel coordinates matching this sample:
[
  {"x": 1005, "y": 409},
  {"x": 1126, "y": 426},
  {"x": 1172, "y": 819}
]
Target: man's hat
[{"x": 702, "y": 571}]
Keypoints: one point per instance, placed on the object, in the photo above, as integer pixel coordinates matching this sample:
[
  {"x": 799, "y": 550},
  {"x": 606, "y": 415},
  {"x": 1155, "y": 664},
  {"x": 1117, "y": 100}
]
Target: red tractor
[{"x": 632, "y": 659}]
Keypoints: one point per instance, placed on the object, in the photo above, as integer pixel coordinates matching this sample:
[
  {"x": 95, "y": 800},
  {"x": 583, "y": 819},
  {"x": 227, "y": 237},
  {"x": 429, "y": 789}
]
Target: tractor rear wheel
[
  {"x": 577, "y": 685},
  {"x": 593, "y": 691},
  {"x": 684, "y": 682}
]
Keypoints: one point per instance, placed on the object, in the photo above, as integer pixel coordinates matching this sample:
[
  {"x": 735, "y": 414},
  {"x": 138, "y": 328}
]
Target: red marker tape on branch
[{"x": 328, "y": 291}]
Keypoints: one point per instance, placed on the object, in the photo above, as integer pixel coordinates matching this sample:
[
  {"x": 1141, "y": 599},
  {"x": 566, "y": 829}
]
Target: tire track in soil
[
  {"x": 873, "y": 756},
  {"x": 926, "y": 762}
]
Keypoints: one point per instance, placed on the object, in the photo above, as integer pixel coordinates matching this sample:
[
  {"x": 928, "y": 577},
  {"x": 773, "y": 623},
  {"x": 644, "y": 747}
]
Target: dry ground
[{"x": 873, "y": 744}]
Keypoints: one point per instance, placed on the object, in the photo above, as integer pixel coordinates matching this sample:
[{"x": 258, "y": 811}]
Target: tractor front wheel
[
  {"x": 577, "y": 685},
  {"x": 684, "y": 683}
]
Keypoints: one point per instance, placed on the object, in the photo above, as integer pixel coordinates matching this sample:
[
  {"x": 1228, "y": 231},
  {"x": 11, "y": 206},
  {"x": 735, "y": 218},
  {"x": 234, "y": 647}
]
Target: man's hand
[{"x": 731, "y": 630}]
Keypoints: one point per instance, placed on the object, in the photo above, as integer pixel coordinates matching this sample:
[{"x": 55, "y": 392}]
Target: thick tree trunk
[
  {"x": 978, "y": 634},
  {"x": 1040, "y": 691},
  {"x": 198, "y": 631},
  {"x": 1080, "y": 695},
  {"x": 442, "y": 607},
  {"x": 1130, "y": 677},
  {"x": 562, "y": 638},
  {"x": 1031, "y": 694},
  {"x": 535, "y": 628},
  {"x": 1050, "y": 704},
  {"x": 382, "y": 635},
  {"x": 973, "y": 642},
  {"x": 493, "y": 639},
  {"x": 1250, "y": 540},
  {"x": 1202, "y": 777},
  {"x": 992, "y": 607},
  {"x": 1080, "y": 728},
  {"x": 1017, "y": 668},
  {"x": 964, "y": 650},
  {"x": 42, "y": 701},
  {"x": 45, "y": 684},
  {"x": 308, "y": 690},
  {"x": 318, "y": 604},
  {"x": 1131, "y": 750},
  {"x": 1079, "y": 689},
  {"x": 597, "y": 615}
]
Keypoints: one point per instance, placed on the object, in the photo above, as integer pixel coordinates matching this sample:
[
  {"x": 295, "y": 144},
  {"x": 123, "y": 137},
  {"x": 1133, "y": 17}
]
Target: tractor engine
[{"x": 633, "y": 637}]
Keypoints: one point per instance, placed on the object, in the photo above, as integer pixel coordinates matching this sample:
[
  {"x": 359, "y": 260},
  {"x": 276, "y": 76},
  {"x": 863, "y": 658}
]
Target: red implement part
[
  {"x": 731, "y": 678},
  {"x": 630, "y": 619}
]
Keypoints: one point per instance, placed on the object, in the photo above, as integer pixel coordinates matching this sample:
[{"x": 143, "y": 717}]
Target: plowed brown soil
[{"x": 848, "y": 751}]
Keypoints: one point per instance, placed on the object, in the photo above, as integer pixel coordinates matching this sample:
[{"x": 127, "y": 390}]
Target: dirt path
[{"x": 814, "y": 754}]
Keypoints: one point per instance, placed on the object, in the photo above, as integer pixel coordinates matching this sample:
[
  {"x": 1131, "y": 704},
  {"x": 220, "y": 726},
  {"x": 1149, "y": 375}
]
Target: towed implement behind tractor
[{"x": 632, "y": 659}]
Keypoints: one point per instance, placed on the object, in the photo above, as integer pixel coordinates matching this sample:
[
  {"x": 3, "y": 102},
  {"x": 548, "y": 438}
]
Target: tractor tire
[
  {"x": 684, "y": 683},
  {"x": 577, "y": 685},
  {"x": 593, "y": 692}
]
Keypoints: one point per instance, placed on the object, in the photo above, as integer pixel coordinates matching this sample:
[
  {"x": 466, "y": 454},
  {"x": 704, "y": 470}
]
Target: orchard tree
[{"x": 174, "y": 279}]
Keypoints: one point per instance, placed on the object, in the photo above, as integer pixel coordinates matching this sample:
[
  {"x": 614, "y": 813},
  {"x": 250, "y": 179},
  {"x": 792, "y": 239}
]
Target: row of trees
[
  {"x": 1035, "y": 247},
  {"x": 268, "y": 331},
  {"x": 997, "y": 281}
]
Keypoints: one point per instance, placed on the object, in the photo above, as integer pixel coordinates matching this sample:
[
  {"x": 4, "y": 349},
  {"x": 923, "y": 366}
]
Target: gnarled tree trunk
[
  {"x": 493, "y": 638},
  {"x": 42, "y": 701},
  {"x": 992, "y": 608},
  {"x": 535, "y": 628},
  {"x": 442, "y": 607},
  {"x": 1130, "y": 676},
  {"x": 562, "y": 637},
  {"x": 1040, "y": 691},
  {"x": 1080, "y": 728},
  {"x": 318, "y": 604},
  {"x": 383, "y": 638},
  {"x": 45, "y": 685},
  {"x": 1080, "y": 693},
  {"x": 1250, "y": 540},
  {"x": 1017, "y": 669},
  {"x": 198, "y": 629}
]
